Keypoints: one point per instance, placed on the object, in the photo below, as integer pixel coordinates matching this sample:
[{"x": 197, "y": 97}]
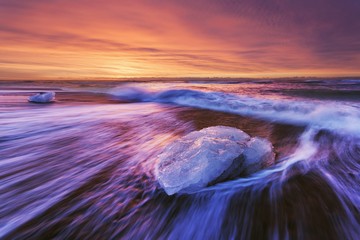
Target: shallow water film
[{"x": 82, "y": 166}]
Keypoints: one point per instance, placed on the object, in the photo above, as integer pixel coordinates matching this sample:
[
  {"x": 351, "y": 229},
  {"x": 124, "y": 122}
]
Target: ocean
[{"x": 82, "y": 167}]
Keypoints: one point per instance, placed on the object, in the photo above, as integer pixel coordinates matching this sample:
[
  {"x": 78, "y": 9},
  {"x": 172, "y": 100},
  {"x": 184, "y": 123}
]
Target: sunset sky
[{"x": 98, "y": 39}]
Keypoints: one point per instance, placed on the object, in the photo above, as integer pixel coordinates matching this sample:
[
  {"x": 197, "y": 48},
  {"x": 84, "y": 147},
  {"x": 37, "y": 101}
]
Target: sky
[{"x": 98, "y": 39}]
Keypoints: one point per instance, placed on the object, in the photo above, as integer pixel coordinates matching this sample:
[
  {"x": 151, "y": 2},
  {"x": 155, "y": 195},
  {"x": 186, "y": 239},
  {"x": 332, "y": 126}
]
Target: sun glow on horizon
[{"x": 97, "y": 40}]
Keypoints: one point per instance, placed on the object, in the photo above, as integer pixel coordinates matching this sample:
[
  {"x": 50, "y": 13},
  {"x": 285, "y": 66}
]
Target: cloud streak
[{"x": 97, "y": 39}]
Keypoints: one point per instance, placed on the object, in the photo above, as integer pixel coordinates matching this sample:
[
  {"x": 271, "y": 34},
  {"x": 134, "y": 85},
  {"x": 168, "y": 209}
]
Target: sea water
[{"x": 82, "y": 167}]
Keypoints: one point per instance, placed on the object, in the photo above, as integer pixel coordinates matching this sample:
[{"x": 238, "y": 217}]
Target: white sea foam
[{"x": 331, "y": 116}]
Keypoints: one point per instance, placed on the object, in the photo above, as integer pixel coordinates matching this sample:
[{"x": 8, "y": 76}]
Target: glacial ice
[
  {"x": 45, "y": 97},
  {"x": 208, "y": 156}
]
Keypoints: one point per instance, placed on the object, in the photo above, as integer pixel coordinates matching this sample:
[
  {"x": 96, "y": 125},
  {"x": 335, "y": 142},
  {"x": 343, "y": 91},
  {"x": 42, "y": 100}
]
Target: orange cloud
[{"x": 112, "y": 39}]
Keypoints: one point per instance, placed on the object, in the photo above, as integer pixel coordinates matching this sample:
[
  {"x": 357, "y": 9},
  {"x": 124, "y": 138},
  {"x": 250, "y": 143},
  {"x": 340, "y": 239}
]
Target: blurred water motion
[{"x": 82, "y": 167}]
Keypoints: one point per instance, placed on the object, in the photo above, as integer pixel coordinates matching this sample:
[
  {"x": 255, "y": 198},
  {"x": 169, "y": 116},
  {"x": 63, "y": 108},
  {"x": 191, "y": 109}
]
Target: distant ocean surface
[{"x": 82, "y": 167}]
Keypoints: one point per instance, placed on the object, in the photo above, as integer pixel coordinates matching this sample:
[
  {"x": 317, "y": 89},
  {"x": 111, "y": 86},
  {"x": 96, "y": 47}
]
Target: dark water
[{"x": 82, "y": 167}]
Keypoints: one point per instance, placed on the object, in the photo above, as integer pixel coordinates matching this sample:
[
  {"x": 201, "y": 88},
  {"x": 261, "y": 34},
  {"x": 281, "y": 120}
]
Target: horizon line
[{"x": 189, "y": 78}]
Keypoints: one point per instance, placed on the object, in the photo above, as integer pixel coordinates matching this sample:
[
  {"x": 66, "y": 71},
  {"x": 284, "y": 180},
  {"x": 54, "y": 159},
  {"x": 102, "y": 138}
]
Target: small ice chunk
[
  {"x": 208, "y": 156},
  {"x": 44, "y": 97}
]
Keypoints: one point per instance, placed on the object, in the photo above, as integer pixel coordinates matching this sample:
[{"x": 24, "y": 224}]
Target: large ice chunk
[
  {"x": 210, "y": 155},
  {"x": 44, "y": 97}
]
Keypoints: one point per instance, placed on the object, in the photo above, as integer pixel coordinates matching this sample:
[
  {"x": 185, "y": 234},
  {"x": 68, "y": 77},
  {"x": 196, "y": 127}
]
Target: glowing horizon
[{"x": 94, "y": 39}]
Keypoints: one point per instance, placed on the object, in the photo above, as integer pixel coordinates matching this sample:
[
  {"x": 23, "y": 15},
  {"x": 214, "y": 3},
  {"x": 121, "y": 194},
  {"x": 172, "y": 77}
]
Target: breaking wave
[
  {"x": 87, "y": 171},
  {"x": 329, "y": 115}
]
